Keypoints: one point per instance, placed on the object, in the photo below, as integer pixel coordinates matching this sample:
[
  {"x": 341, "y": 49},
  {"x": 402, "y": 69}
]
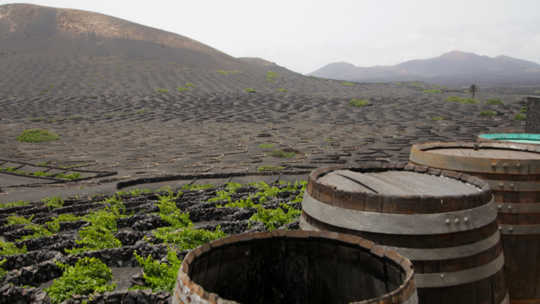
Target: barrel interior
[{"x": 287, "y": 270}]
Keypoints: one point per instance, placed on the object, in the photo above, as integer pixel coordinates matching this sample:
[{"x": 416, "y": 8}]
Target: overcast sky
[{"x": 306, "y": 35}]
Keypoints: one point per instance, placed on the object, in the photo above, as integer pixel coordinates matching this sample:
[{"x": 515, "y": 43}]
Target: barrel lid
[
  {"x": 479, "y": 157},
  {"x": 396, "y": 183}
]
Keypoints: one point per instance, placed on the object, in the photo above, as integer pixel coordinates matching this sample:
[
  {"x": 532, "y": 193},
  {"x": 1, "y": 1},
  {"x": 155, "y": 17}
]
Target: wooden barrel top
[
  {"x": 478, "y": 158},
  {"x": 397, "y": 189},
  {"x": 396, "y": 183}
]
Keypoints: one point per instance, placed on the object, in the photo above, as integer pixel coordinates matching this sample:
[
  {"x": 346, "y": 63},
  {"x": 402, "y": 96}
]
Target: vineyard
[{"x": 127, "y": 248}]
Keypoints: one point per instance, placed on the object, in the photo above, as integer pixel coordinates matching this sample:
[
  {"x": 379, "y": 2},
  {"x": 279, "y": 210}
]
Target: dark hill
[{"x": 86, "y": 53}]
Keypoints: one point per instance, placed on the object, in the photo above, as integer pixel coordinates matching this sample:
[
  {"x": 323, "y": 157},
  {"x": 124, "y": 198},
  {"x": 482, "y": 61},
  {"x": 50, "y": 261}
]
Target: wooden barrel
[
  {"x": 513, "y": 171},
  {"x": 518, "y": 138},
  {"x": 443, "y": 221},
  {"x": 294, "y": 267}
]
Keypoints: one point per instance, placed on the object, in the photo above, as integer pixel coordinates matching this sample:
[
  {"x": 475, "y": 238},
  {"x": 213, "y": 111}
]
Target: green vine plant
[
  {"x": 159, "y": 276},
  {"x": 88, "y": 276}
]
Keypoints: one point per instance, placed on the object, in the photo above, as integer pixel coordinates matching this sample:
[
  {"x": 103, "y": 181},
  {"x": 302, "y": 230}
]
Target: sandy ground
[{"x": 223, "y": 133}]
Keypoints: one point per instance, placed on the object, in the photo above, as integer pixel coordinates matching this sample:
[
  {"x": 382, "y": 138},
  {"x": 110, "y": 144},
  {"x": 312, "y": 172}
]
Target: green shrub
[
  {"x": 520, "y": 117},
  {"x": 523, "y": 110},
  {"x": 13, "y": 204},
  {"x": 94, "y": 238},
  {"x": 141, "y": 112},
  {"x": 181, "y": 89},
  {"x": 198, "y": 187},
  {"x": 273, "y": 219},
  {"x": 283, "y": 90},
  {"x": 54, "y": 202},
  {"x": 270, "y": 168},
  {"x": 37, "y": 135},
  {"x": 190, "y": 238},
  {"x": 415, "y": 85},
  {"x": 270, "y": 80},
  {"x": 76, "y": 117},
  {"x": 280, "y": 153},
  {"x": 348, "y": 84},
  {"x": 432, "y": 91},
  {"x": 72, "y": 176},
  {"x": 488, "y": 113},
  {"x": 462, "y": 100},
  {"x": 312, "y": 77},
  {"x": 494, "y": 102},
  {"x": 3, "y": 273},
  {"x": 89, "y": 275},
  {"x": 159, "y": 276},
  {"x": 437, "y": 118},
  {"x": 272, "y": 74},
  {"x": 18, "y": 220},
  {"x": 222, "y": 73},
  {"x": 250, "y": 91},
  {"x": 190, "y": 85},
  {"x": 266, "y": 146},
  {"x": 358, "y": 103},
  {"x": 162, "y": 91},
  {"x": 7, "y": 248}
]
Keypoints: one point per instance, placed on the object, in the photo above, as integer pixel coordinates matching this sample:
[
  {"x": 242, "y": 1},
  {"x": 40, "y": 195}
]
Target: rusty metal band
[
  {"x": 514, "y": 186},
  {"x": 436, "y": 254},
  {"x": 506, "y": 299},
  {"x": 420, "y": 155},
  {"x": 404, "y": 224},
  {"x": 432, "y": 254},
  {"x": 444, "y": 279},
  {"x": 518, "y": 208},
  {"x": 183, "y": 294},
  {"x": 413, "y": 299},
  {"x": 519, "y": 229}
]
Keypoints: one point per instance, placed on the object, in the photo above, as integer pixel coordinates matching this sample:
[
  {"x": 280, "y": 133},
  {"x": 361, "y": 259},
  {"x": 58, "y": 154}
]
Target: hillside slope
[{"x": 51, "y": 51}]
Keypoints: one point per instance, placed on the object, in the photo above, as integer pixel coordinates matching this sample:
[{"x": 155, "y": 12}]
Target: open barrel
[
  {"x": 294, "y": 267},
  {"x": 443, "y": 221}
]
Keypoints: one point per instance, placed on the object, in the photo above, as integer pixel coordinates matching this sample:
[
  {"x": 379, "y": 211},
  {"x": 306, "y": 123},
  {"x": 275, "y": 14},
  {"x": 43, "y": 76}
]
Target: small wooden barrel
[
  {"x": 513, "y": 172},
  {"x": 446, "y": 227},
  {"x": 518, "y": 138},
  {"x": 294, "y": 267}
]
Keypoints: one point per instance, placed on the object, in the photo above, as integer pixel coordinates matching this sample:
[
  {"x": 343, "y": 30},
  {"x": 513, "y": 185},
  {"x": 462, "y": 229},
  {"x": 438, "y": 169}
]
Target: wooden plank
[
  {"x": 487, "y": 153},
  {"x": 422, "y": 184},
  {"x": 396, "y": 183}
]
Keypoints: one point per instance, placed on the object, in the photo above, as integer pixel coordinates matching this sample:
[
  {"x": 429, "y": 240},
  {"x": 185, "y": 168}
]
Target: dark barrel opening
[{"x": 289, "y": 267}]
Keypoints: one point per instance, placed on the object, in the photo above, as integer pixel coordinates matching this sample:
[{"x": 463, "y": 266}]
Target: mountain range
[{"x": 448, "y": 68}]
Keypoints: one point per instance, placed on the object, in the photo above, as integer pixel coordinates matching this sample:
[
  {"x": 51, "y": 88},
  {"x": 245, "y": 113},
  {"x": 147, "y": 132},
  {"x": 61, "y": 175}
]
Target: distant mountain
[{"x": 449, "y": 65}]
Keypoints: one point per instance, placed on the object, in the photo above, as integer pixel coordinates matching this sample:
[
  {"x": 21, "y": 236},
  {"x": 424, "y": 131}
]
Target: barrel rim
[
  {"x": 515, "y": 166},
  {"x": 344, "y": 199},
  {"x": 406, "y": 290}
]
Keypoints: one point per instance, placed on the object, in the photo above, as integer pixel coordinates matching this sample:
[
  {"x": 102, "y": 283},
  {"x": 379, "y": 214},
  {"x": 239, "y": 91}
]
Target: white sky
[{"x": 306, "y": 35}]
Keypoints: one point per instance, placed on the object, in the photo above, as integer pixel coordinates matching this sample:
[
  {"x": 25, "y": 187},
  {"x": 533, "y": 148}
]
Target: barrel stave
[{"x": 419, "y": 205}]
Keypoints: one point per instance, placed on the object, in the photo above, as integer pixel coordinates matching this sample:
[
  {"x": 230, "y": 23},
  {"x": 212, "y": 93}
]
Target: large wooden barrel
[
  {"x": 294, "y": 267},
  {"x": 443, "y": 221},
  {"x": 513, "y": 171},
  {"x": 518, "y": 138}
]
